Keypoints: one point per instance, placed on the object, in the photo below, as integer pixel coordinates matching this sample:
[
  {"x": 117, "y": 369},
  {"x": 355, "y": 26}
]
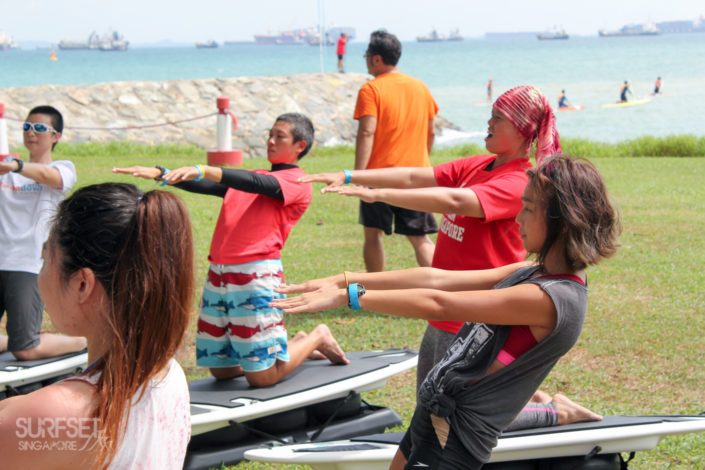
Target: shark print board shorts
[{"x": 236, "y": 326}]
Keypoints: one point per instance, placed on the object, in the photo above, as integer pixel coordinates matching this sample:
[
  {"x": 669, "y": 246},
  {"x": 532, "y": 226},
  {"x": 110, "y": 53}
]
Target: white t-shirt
[
  {"x": 159, "y": 426},
  {"x": 26, "y": 211}
]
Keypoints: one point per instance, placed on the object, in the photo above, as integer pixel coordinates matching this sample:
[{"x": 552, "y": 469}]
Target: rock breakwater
[{"x": 182, "y": 111}]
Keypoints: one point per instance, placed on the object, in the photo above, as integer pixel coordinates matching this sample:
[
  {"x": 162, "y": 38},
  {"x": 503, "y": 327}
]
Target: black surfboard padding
[
  {"x": 8, "y": 362},
  {"x": 310, "y": 375},
  {"x": 610, "y": 421}
]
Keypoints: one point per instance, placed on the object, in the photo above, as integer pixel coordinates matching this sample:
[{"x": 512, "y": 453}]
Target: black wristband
[
  {"x": 20, "y": 164},
  {"x": 162, "y": 172}
]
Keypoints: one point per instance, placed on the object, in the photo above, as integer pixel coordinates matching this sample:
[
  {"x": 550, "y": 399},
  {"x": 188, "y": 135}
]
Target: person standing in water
[
  {"x": 623, "y": 92},
  {"x": 657, "y": 86}
]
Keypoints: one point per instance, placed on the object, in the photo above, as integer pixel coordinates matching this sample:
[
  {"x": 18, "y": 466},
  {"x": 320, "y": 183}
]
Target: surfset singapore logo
[{"x": 57, "y": 434}]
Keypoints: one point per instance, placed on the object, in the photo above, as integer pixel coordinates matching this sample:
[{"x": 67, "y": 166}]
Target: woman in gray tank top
[{"x": 469, "y": 397}]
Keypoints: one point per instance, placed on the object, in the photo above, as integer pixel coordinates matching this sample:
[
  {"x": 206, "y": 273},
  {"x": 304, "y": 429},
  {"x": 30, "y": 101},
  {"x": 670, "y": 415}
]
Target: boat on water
[
  {"x": 6, "y": 42},
  {"x": 300, "y": 36},
  {"x": 111, "y": 41},
  {"x": 646, "y": 29},
  {"x": 434, "y": 36},
  {"x": 210, "y": 44},
  {"x": 331, "y": 34},
  {"x": 553, "y": 34},
  {"x": 455, "y": 35},
  {"x": 293, "y": 37}
]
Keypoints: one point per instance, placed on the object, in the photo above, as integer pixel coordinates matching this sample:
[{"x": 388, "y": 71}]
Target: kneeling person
[{"x": 238, "y": 333}]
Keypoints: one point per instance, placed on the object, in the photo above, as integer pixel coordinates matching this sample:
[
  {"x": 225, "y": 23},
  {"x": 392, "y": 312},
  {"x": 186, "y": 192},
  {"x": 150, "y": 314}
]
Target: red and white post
[
  {"x": 4, "y": 145},
  {"x": 226, "y": 123}
]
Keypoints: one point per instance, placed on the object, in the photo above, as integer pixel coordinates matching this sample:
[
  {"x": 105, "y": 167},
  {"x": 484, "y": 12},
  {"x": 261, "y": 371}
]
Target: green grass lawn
[{"x": 642, "y": 348}]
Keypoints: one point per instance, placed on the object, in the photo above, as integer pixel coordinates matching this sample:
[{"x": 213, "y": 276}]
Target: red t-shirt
[
  {"x": 473, "y": 243},
  {"x": 252, "y": 226},
  {"x": 341, "y": 45}
]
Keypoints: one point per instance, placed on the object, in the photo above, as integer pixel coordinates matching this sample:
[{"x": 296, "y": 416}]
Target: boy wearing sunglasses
[{"x": 30, "y": 190}]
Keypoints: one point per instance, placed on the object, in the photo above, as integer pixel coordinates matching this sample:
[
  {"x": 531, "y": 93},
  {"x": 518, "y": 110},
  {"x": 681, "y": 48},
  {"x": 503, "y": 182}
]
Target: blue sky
[{"x": 144, "y": 21}]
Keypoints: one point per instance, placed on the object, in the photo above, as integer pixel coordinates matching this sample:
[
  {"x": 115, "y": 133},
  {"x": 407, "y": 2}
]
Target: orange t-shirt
[{"x": 403, "y": 105}]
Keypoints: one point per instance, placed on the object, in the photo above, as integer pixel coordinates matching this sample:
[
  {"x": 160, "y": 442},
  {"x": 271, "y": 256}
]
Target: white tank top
[{"x": 159, "y": 426}]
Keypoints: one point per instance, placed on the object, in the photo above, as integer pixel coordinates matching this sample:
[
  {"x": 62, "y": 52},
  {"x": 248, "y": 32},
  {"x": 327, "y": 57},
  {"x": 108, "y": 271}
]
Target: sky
[{"x": 149, "y": 21}]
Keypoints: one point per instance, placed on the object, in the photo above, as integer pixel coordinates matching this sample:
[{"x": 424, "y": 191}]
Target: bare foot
[
  {"x": 571, "y": 412},
  {"x": 315, "y": 354},
  {"x": 540, "y": 397},
  {"x": 329, "y": 346}
]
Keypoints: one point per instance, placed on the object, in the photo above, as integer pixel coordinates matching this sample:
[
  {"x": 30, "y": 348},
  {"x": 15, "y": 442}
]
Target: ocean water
[{"x": 590, "y": 69}]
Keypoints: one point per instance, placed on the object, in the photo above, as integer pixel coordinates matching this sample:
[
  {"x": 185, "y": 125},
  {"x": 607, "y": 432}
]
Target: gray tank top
[{"x": 480, "y": 411}]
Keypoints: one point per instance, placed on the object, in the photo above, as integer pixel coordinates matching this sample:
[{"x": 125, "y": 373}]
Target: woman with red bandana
[{"x": 479, "y": 197}]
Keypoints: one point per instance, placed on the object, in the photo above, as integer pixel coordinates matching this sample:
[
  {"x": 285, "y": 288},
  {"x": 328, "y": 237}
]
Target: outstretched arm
[
  {"x": 215, "y": 180},
  {"x": 38, "y": 172},
  {"x": 242, "y": 180},
  {"x": 395, "y": 177},
  {"x": 524, "y": 304},
  {"x": 432, "y": 278},
  {"x": 461, "y": 201},
  {"x": 205, "y": 186}
]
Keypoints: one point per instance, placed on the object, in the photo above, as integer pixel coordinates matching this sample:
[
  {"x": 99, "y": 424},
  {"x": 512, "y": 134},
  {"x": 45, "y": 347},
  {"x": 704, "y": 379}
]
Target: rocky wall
[{"x": 182, "y": 111}]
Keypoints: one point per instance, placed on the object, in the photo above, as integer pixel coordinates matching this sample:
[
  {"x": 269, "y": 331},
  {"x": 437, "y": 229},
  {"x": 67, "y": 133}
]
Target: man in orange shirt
[{"x": 395, "y": 114}]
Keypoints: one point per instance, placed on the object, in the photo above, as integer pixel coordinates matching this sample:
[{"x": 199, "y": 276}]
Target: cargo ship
[
  {"x": 553, "y": 34},
  {"x": 301, "y": 36},
  {"x": 209, "y": 44},
  {"x": 433, "y": 36},
  {"x": 648, "y": 29},
  {"x": 6, "y": 42},
  {"x": 112, "y": 41}
]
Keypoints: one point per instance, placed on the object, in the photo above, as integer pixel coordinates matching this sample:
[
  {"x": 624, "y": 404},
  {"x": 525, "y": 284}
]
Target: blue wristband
[
  {"x": 353, "y": 299},
  {"x": 348, "y": 176},
  {"x": 163, "y": 182},
  {"x": 200, "y": 172}
]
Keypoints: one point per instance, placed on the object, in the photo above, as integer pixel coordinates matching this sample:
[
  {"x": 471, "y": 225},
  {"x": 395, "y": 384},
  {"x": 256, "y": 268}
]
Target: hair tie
[{"x": 139, "y": 199}]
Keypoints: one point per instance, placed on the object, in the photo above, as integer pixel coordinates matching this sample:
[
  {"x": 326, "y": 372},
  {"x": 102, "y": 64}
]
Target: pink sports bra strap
[{"x": 572, "y": 277}]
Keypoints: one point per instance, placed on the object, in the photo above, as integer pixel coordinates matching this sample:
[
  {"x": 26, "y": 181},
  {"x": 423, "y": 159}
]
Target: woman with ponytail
[{"x": 118, "y": 269}]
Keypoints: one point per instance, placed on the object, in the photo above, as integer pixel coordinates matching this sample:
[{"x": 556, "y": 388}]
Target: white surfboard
[
  {"x": 215, "y": 403},
  {"x": 613, "y": 435},
  {"x": 16, "y": 374}
]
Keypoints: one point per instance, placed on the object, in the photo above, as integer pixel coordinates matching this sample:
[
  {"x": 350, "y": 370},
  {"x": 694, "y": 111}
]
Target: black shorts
[
  {"x": 19, "y": 297},
  {"x": 380, "y": 215},
  {"x": 421, "y": 447},
  {"x": 340, "y": 57}
]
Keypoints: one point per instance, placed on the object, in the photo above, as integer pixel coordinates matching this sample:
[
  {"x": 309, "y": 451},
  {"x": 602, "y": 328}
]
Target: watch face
[{"x": 360, "y": 290}]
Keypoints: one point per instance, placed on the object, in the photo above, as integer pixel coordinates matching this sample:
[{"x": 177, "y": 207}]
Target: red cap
[{"x": 223, "y": 103}]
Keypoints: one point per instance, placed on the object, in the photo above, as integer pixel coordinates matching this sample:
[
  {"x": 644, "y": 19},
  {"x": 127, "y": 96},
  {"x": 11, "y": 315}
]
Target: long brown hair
[
  {"x": 578, "y": 210},
  {"x": 140, "y": 247}
]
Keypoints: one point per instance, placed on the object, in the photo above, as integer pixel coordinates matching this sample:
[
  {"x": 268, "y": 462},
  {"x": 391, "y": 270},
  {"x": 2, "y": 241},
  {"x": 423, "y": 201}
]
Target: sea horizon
[{"x": 590, "y": 69}]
